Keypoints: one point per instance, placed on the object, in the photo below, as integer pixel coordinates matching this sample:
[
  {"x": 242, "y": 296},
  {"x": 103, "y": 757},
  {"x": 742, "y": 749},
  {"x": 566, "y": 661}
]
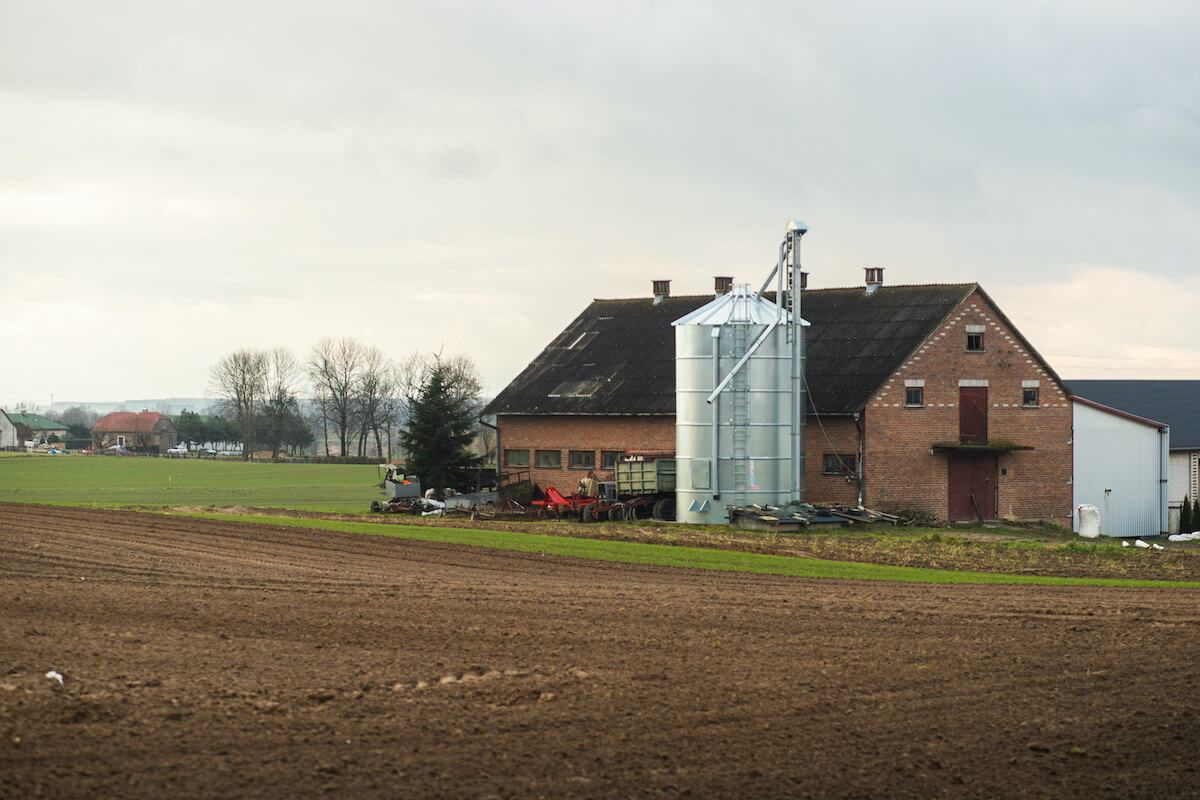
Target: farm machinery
[
  {"x": 401, "y": 493},
  {"x": 644, "y": 488}
]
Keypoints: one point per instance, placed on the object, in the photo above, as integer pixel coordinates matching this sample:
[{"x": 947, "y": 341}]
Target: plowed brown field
[{"x": 217, "y": 659}]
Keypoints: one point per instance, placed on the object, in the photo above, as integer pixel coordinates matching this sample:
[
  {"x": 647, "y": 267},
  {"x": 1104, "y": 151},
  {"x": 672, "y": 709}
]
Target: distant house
[
  {"x": 36, "y": 428},
  {"x": 145, "y": 432},
  {"x": 1173, "y": 403},
  {"x": 8, "y": 432}
]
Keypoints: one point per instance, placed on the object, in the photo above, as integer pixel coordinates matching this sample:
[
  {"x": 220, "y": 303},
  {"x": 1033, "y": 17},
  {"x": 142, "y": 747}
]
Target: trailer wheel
[
  {"x": 616, "y": 514},
  {"x": 588, "y": 514},
  {"x": 664, "y": 510},
  {"x": 375, "y": 506}
]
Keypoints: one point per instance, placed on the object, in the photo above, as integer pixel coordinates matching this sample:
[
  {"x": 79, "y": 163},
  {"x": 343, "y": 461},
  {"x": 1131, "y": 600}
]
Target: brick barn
[{"x": 921, "y": 399}]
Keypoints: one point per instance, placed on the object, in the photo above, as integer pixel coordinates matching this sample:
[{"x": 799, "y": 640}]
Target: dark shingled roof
[
  {"x": 857, "y": 340},
  {"x": 618, "y": 356},
  {"x": 1174, "y": 403}
]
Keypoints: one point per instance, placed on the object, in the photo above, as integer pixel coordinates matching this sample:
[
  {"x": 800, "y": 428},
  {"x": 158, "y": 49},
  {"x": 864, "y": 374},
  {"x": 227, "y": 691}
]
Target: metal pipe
[
  {"x": 716, "y": 415},
  {"x": 860, "y": 458},
  {"x": 749, "y": 352},
  {"x": 799, "y": 404}
]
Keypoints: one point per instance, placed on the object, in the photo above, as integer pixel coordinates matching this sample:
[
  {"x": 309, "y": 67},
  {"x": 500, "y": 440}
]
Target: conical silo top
[{"x": 738, "y": 306}]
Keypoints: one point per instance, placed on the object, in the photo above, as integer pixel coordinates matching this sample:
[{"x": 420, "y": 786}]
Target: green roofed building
[{"x": 35, "y": 428}]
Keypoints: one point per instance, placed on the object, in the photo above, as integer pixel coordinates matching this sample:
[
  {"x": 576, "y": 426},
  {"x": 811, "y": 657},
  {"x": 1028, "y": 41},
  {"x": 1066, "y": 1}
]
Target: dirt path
[{"x": 204, "y": 659}]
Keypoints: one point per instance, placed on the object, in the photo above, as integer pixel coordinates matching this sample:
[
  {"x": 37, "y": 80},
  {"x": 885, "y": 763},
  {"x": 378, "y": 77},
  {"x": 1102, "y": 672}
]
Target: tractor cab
[{"x": 396, "y": 485}]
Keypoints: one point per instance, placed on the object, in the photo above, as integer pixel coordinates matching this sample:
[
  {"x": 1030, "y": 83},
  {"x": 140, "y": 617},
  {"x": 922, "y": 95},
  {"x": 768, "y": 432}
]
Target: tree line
[{"x": 357, "y": 396}]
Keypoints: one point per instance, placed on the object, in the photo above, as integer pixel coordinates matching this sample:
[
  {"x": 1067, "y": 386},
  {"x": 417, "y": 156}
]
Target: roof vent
[
  {"x": 722, "y": 285},
  {"x": 662, "y": 290},
  {"x": 874, "y": 278}
]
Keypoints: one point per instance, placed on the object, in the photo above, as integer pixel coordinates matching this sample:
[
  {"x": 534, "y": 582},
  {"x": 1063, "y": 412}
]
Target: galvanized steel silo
[{"x": 737, "y": 449}]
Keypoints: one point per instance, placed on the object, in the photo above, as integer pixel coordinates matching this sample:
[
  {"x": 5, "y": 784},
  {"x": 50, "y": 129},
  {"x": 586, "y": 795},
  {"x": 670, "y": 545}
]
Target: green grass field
[
  {"x": 109, "y": 481},
  {"x": 698, "y": 558}
]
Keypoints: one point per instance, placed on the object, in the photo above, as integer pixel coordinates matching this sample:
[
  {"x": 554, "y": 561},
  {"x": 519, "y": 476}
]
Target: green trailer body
[{"x": 645, "y": 477}]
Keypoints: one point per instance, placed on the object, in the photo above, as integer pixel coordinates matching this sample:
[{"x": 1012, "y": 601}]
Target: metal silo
[{"x": 733, "y": 406}]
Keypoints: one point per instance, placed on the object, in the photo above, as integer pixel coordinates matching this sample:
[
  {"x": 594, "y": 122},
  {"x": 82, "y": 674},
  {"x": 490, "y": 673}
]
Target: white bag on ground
[{"x": 1089, "y": 521}]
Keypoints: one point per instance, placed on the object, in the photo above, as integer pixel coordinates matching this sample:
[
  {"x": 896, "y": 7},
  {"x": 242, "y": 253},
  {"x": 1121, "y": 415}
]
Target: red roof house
[{"x": 147, "y": 432}]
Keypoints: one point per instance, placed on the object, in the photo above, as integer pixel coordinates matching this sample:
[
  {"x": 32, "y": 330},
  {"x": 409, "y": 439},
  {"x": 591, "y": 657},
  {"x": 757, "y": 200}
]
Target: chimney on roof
[
  {"x": 722, "y": 285},
  {"x": 662, "y": 290},
  {"x": 803, "y": 281},
  {"x": 874, "y": 278}
]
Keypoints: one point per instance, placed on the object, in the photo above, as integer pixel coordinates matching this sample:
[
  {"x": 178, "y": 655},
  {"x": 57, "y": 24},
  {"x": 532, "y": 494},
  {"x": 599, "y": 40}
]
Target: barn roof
[
  {"x": 618, "y": 356},
  {"x": 128, "y": 422},
  {"x": 1172, "y": 402},
  {"x": 35, "y": 422}
]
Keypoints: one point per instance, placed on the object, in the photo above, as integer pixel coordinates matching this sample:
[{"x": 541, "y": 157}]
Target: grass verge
[{"x": 671, "y": 556}]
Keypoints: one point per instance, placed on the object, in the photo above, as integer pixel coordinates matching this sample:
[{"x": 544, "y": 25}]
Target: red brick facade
[
  {"x": 563, "y": 434},
  {"x": 903, "y": 470},
  {"x": 902, "y": 466}
]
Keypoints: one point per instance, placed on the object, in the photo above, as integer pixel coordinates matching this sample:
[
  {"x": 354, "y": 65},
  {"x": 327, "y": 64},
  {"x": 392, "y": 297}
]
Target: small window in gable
[
  {"x": 914, "y": 396},
  {"x": 1031, "y": 397},
  {"x": 975, "y": 338}
]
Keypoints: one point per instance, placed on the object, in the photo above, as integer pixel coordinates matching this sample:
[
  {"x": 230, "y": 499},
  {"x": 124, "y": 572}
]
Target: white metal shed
[
  {"x": 8, "y": 431},
  {"x": 1121, "y": 467}
]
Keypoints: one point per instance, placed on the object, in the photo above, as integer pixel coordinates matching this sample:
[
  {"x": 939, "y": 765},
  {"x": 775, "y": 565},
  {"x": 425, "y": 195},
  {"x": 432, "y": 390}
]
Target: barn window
[
  {"x": 609, "y": 458},
  {"x": 549, "y": 458},
  {"x": 839, "y": 463},
  {"x": 975, "y": 338},
  {"x": 516, "y": 458},
  {"x": 1031, "y": 397},
  {"x": 582, "y": 459},
  {"x": 914, "y": 392}
]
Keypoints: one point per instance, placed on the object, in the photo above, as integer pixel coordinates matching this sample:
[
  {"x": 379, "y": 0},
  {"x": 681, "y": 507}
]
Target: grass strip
[{"x": 680, "y": 556}]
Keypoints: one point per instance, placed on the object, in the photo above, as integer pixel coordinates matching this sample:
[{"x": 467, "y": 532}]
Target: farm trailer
[{"x": 644, "y": 488}]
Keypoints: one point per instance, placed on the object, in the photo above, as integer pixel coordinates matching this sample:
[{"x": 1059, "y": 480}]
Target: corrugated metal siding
[{"x": 1119, "y": 465}]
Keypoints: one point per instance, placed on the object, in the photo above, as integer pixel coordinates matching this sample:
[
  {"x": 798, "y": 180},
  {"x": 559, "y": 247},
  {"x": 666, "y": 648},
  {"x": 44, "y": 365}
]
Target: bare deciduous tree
[
  {"x": 376, "y": 384},
  {"x": 280, "y": 404},
  {"x": 334, "y": 367},
  {"x": 239, "y": 382}
]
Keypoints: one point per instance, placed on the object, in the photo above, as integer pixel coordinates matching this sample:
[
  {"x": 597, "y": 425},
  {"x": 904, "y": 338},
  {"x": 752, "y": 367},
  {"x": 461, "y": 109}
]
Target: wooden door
[
  {"x": 972, "y": 414},
  {"x": 972, "y": 482}
]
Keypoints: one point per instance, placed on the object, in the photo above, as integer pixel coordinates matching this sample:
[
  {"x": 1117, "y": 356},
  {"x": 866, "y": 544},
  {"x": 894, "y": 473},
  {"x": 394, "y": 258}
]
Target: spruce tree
[
  {"x": 441, "y": 427},
  {"x": 1187, "y": 516}
]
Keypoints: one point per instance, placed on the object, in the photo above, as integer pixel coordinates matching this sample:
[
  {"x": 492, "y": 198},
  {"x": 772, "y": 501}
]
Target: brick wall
[
  {"x": 834, "y": 436},
  {"x": 901, "y": 471},
  {"x": 567, "y": 433}
]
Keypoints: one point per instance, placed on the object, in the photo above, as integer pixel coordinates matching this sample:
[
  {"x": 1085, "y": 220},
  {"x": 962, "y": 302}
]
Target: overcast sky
[{"x": 179, "y": 180}]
